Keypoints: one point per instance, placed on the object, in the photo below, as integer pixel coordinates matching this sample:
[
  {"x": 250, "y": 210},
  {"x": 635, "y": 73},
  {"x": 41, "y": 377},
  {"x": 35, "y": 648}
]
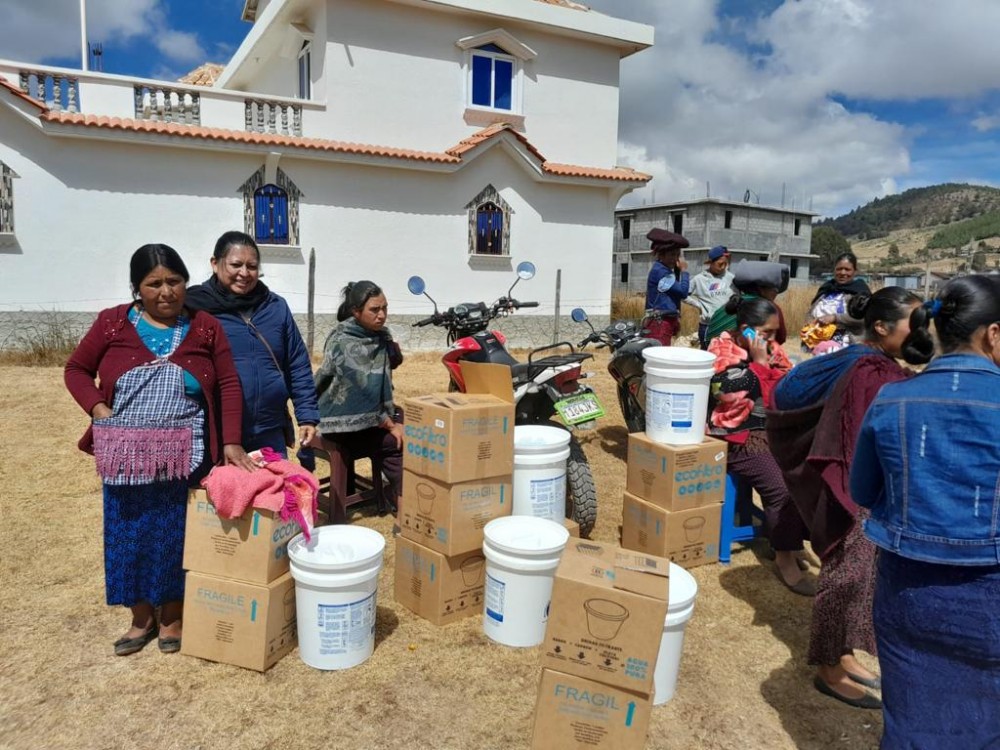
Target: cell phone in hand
[{"x": 750, "y": 334}]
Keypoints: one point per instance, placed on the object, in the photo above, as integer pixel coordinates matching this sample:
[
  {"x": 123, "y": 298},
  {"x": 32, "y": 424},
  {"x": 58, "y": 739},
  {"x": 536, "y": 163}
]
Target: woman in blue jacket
[
  {"x": 271, "y": 358},
  {"x": 667, "y": 284},
  {"x": 927, "y": 465}
]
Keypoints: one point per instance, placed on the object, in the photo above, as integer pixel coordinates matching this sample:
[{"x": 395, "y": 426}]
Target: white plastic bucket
[
  {"x": 680, "y": 606},
  {"x": 540, "y": 455},
  {"x": 677, "y": 381},
  {"x": 336, "y": 582},
  {"x": 522, "y": 554}
]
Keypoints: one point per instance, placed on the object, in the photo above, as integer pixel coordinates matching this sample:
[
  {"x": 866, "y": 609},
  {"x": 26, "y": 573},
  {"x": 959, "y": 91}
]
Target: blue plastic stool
[{"x": 738, "y": 508}]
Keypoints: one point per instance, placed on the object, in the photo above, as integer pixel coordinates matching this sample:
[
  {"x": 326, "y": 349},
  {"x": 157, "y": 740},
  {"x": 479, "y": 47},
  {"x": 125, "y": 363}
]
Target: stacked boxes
[
  {"x": 601, "y": 644},
  {"x": 458, "y": 455},
  {"x": 673, "y": 499},
  {"x": 239, "y": 600}
]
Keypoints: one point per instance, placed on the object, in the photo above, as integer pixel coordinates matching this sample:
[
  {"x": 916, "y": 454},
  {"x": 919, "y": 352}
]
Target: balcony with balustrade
[{"x": 63, "y": 90}]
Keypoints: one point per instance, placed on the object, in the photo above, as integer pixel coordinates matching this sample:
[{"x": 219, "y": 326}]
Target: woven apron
[{"x": 156, "y": 432}]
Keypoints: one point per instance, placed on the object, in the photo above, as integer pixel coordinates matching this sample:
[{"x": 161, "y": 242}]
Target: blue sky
[{"x": 837, "y": 101}]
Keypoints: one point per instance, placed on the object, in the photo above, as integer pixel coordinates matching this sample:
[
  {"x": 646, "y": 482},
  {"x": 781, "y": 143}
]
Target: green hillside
[{"x": 924, "y": 207}]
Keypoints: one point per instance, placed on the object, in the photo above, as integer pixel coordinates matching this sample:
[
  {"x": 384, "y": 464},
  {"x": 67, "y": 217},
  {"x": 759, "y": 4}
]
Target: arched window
[
  {"x": 489, "y": 229},
  {"x": 489, "y": 223},
  {"x": 271, "y": 215}
]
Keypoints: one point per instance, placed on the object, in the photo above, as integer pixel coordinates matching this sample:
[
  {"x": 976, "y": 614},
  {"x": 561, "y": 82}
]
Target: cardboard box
[
  {"x": 572, "y": 527},
  {"x": 439, "y": 588},
  {"x": 234, "y": 622},
  {"x": 458, "y": 437},
  {"x": 251, "y": 548},
  {"x": 449, "y": 518},
  {"x": 606, "y": 616},
  {"x": 676, "y": 477},
  {"x": 574, "y": 712},
  {"x": 689, "y": 537}
]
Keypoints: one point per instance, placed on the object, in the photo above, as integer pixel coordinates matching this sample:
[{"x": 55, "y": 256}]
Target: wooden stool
[{"x": 341, "y": 485}]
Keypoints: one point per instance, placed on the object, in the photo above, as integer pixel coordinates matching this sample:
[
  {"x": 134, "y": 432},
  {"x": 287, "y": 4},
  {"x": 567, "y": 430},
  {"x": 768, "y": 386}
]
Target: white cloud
[
  {"x": 985, "y": 123},
  {"x": 180, "y": 46},
  {"x": 42, "y": 30},
  {"x": 765, "y": 118}
]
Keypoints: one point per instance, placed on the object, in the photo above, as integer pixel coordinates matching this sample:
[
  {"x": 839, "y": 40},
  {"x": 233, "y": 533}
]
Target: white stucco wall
[
  {"x": 393, "y": 75},
  {"x": 82, "y": 207}
]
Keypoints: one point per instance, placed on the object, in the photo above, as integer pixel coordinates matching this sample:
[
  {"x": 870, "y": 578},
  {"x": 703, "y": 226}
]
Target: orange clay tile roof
[
  {"x": 204, "y": 75},
  {"x": 451, "y": 156},
  {"x": 4, "y": 83}
]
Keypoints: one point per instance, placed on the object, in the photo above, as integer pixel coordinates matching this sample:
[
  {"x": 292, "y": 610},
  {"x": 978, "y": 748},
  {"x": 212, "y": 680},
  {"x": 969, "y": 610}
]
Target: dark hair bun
[{"x": 857, "y": 304}]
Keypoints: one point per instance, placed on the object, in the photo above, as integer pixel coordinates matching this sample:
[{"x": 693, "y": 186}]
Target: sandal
[{"x": 125, "y": 646}]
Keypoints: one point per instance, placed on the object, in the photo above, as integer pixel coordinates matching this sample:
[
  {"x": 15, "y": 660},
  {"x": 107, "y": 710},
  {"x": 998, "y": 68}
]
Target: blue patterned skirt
[
  {"x": 144, "y": 542},
  {"x": 938, "y": 631}
]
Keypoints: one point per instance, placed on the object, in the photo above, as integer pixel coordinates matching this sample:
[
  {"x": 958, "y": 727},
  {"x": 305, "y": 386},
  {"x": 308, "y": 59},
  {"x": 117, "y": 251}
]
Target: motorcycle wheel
[
  {"x": 635, "y": 417},
  {"x": 581, "y": 494}
]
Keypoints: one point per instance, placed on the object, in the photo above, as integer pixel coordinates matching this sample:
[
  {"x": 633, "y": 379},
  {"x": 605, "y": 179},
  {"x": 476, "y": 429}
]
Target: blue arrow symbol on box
[{"x": 631, "y": 713}]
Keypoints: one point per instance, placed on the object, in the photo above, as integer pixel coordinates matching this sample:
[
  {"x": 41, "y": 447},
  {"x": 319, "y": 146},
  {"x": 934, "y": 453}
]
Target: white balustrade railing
[
  {"x": 264, "y": 116},
  {"x": 64, "y": 90},
  {"x": 60, "y": 93},
  {"x": 167, "y": 104}
]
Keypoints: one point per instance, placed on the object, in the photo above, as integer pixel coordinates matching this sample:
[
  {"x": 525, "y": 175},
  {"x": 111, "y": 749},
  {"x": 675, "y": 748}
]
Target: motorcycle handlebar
[
  {"x": 424, "y": 322},
  {"x": 526, "y": 304}
]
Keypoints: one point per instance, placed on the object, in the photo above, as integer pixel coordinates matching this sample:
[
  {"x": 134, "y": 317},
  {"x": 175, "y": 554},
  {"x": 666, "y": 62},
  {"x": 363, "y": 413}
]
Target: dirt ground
[{"x": 744, "y": 682}]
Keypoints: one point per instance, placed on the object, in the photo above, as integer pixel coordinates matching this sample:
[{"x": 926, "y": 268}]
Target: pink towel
[{"x": 279, "y": 486}]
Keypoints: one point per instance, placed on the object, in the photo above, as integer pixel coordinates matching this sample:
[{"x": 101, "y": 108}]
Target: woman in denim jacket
[{"x": 927, "y": 465}]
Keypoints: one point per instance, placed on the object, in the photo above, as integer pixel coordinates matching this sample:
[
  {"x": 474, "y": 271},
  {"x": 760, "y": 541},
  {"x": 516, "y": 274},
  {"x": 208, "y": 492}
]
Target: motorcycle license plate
[{"x": 581, "y": 408}]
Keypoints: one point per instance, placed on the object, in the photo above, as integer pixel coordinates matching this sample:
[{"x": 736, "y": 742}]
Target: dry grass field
[{"x": 744, "y": 682}]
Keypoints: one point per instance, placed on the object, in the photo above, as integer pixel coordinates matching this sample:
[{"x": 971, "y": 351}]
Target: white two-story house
[{"x": 447, "y": 138}]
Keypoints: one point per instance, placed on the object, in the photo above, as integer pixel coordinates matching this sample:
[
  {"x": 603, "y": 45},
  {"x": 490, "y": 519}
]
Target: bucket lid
[
  {"x": 334, "y": 548},
  {"x": 539, "y": 437},
  {"x": 683, "y": 356},
  {"x": 526, "y": 535},
  {"x": 683, "y": 588}
]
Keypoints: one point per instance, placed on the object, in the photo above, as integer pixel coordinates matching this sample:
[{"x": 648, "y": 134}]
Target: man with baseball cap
[
  {"x": 710, "y": 289},
  {"x": 667, "y": 284}
]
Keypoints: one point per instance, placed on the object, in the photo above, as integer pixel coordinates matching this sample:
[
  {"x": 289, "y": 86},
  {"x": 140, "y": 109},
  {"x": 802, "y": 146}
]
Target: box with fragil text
[
  {"x": 676, "y": 477},
  {"x": 687, "y": 537},
  {"x": 234, "y": 622},
  {"x": 250, "y": 548},
  {"x": 606, "y": 615},
  {"x": 573, "y": 712},
  {"x": 449, "y": 518}
]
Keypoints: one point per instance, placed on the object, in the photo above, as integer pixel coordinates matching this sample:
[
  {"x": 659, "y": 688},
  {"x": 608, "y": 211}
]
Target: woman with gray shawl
[{"x": 354, "y": 383}]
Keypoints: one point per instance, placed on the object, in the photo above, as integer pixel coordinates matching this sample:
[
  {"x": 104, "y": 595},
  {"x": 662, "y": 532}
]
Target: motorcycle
[
  {"x": 626, "y": 340},
  {"x": 546, "y": 385}
]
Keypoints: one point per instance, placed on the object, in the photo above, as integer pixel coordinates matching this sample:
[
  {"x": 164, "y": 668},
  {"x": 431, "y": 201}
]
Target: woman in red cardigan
[{"x": 163, "y": 378}]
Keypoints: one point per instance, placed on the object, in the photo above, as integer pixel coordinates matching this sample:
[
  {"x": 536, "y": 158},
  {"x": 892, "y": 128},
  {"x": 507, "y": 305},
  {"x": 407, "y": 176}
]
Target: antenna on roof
[{"x": 97, "y": 56}]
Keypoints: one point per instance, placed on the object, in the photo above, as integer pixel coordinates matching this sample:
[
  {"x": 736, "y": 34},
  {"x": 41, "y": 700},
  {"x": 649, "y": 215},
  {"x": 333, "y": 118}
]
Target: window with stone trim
[
  {"x": 271, "y": 209},
  {"x": 7, "y": 176},
  {"x": 489, "y": 223}
]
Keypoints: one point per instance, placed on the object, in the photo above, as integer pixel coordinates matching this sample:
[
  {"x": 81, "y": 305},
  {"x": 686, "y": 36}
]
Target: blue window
[
  {"x": 271, "y": 215},
  {"x": 492, "y": 72},
  {"x": 489, "y": 229}
]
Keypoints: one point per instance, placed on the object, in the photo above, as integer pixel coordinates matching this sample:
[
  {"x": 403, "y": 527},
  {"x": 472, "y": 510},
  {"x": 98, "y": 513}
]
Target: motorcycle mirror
[
  {"x": 579, "y": 315},
  {"x": 416, "y": 285},
  {"x": 525, "y": 270}
]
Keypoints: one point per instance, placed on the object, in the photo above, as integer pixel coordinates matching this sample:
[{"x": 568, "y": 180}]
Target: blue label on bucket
[
  {"x": 495, "y": 595},
  {"x": 345, "y": 628}
]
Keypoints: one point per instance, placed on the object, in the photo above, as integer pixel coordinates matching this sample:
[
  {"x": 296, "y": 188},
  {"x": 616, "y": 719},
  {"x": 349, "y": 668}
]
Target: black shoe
[
  {"x": 169, "y": 645},
  {"x": 866, "y": 701},
  {"x": 126, "y": 646},
  {"x": 875, "y": 683}
]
